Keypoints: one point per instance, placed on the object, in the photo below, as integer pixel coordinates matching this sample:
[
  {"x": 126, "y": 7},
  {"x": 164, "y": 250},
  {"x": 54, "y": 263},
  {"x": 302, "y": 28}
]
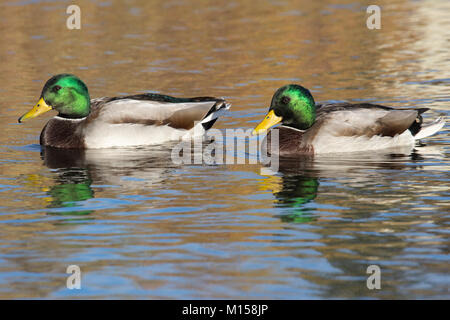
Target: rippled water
[{"x": 140, "y": 226}]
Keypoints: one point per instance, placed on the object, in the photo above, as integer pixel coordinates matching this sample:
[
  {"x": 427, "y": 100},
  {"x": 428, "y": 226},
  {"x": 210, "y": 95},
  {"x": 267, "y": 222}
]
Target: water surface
[{"x": 140, "y": 226}]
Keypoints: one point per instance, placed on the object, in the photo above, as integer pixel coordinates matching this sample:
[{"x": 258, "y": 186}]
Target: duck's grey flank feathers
[
  {"x": 363, "y": 120},
  {"x": 180, "y": 115},
  {"x": 150, "y": 119}
]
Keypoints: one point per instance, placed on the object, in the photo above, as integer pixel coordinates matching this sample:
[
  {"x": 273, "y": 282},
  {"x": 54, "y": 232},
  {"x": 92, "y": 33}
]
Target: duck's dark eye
[
  {"x": 56, "y": 89},
  {"x": 285, "y": 100}
]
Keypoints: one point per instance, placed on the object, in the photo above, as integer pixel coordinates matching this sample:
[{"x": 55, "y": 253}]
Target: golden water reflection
[{"x": 140, "y": 226}]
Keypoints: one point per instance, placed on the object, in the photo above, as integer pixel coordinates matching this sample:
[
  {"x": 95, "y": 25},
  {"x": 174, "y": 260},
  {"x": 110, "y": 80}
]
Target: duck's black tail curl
[
  {"x": 420, "y": 130},
  {"x": 214, "y": 113},
  {"x": 417, "y": 124}
]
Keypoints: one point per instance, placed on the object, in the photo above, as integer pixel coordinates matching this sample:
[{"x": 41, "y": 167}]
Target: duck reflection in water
[
  {"x": 293, "y": 188},
  {"x": 296, "y": 184},
  {"x": 295, "y": 192},
  {"x": 73, "y": 186},
  {"x": 76, "y": 170}
]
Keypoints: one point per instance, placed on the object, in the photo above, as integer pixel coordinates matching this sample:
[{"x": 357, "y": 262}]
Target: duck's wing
[
  {"x": 155, "y": 109},
  {"x": 345, "y": 119}
]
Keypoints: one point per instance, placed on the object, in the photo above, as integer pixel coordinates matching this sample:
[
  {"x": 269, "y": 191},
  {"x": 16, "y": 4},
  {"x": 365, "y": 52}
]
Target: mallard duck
[
  {"x": 140, "y": 119},
  {"x": 307, "y": 128}
]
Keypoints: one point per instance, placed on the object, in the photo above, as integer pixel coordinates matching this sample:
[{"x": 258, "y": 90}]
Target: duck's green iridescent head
[
  {"x": 65, "y": 93},
  {"x": 293, "y": 106}
]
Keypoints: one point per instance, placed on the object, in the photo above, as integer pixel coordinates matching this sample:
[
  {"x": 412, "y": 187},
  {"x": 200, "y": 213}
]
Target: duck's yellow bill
[
  {"x": 40, "y": 108},
  {"x": 269, "y": 121}
]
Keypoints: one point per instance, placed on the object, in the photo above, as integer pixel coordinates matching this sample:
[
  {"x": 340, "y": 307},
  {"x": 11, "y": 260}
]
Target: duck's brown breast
[
  {"x": 290, "y": 142},
  {"x": 63, "y": 133}
]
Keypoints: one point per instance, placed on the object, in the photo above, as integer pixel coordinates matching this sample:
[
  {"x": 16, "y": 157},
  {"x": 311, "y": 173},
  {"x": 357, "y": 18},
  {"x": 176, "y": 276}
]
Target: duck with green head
[
  {"x": 310, "y": 128},
  {"x": 134, "y": 120}
]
